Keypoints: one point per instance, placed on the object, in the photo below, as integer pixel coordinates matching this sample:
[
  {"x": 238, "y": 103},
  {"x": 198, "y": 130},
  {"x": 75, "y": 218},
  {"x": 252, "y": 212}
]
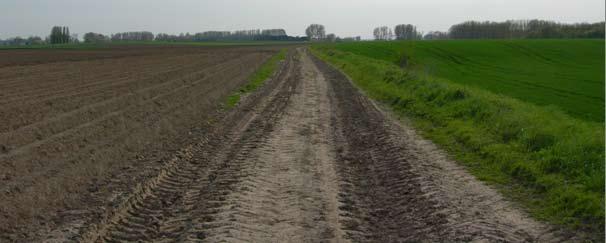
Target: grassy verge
[
  {"x": 547, "y": 160},
  {"x": 257, "y": 78}
]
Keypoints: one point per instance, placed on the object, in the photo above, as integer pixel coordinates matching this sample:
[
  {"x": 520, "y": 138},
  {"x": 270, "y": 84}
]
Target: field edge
[
  {"x": 472, "y": 136},
  {"x": 257, "y": 79}
]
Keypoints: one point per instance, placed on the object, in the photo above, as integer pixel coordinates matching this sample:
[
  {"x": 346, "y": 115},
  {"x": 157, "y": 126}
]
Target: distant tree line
[
  {"x": 514, "y": 29},
  {"x": 407, "y": 32},
  {"x": 348, "y": 39},
  {"x": 436, "y": 35},
  {"x": 511, "y": 29},
  {"x": 58, "y": 35},
  {"x": 239, "y": 35},
  {"x": 18, "y": 41},
  {"x": 400, "y": 32},
  {"x": 382, "y": 33},
  {"x": 133, "y": 36},
  {"x": 317, "y": 32},
  {"x": 91, "y": 37}
]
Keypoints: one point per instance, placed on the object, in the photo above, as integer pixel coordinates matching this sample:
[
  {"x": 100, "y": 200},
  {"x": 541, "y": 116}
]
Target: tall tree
[
  {"x": 316, "y": 32},
  {"x": 331, "y": 37},
  {"x": 383, "y": 33},
  {"x": 406, "y": 32},
  {"x": 59, "y": 35}
]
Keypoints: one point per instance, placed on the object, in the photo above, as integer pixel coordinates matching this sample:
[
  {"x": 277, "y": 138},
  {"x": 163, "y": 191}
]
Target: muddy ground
[{"x": 306, "y": 158}]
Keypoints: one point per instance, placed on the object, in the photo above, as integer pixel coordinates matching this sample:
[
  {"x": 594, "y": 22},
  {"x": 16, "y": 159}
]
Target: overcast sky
[{"x": 342, "y": 17}]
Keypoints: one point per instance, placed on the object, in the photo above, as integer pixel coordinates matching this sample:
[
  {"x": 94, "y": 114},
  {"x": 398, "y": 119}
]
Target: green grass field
[
  {"x": 498, "y": 107},
  {"x": 568, "y": 74}
]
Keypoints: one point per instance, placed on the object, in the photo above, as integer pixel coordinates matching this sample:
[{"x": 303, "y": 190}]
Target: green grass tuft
[
  {"x": 547, "y": 159},
  {"x": 257, "y": 78}
]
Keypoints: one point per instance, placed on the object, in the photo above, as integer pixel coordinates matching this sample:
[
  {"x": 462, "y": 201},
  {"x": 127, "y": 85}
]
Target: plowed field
[{"x": 71, "y": 117}]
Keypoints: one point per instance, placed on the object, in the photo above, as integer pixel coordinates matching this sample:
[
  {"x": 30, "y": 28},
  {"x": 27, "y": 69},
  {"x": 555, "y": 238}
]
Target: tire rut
[
  {"x": 177, "y": 203},
  {"x": 289, "y": 192},
  {"x": 397, "y": 190},
  {"x": 307, "y": 158}
]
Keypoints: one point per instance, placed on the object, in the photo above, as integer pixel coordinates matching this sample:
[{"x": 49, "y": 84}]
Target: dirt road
[{"x": 308, "y": 158}]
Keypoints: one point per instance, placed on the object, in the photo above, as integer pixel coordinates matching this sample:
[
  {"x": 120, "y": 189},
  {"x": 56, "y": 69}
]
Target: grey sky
[{"x": 342, "y": 17}]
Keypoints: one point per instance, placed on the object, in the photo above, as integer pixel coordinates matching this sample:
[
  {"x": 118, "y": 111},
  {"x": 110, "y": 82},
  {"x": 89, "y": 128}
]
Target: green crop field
[
  {"x": 523, "y": 115},
  {"x": 568, "y": 74}
]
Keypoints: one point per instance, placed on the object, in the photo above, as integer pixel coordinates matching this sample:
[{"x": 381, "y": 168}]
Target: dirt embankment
[{"x": 306, "y": 158}]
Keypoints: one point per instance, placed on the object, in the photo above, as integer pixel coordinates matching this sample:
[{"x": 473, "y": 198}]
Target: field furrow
[{"x": 53, "y": 160}]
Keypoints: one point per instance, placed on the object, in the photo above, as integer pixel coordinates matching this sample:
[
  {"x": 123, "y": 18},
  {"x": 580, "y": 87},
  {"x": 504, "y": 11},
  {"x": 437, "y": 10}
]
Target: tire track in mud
[
  {"x": 384, "y": 200},
  {"x": 397, "y": 189},
  {"x": 175, "y": 204},
  {"x": 307, "y": 158},
  {"x": 289, "y": 193}
]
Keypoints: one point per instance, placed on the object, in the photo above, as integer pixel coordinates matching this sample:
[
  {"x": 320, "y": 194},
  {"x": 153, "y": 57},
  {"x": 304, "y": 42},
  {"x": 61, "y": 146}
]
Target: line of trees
[
  {"x": 58, "y": 35},
  {"x": 401, "y": 32},
  {"x": 514, "y": 29},
  {"x": 133, "y": 36},
  {"x": 382, "y": 33},
  {"x": 317, "y": 32},
  {"x": 91, "y": 37},
  {"x": 436, "y": 35},
  {"x": 348, "y": 39},
  {"x": 18, "y": 41},
  {"x": 407, "y": 32},
  {"x": 239, "y": 35},
  {"x": 511, "y": 29}
]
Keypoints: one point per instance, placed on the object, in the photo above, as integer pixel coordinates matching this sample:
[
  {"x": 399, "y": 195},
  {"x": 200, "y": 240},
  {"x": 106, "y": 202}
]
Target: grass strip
[{"x": 257, "y": 78}]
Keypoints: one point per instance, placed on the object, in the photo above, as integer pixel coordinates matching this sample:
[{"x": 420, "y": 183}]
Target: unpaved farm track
[{"x": 308, "y": 158}]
